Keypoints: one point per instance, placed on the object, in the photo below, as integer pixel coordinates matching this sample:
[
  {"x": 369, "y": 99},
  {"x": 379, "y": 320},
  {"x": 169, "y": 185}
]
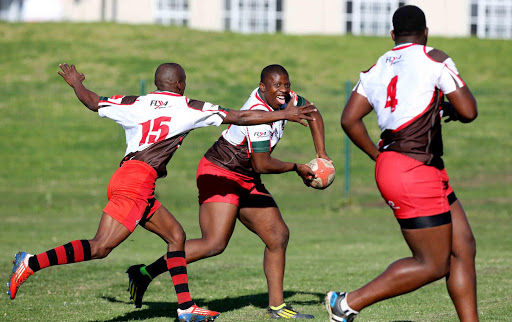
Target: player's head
[
  {"x": 409, "y": 22},
  {"x": 171, "y": 77},
  {"x": 274, "y": 85}
]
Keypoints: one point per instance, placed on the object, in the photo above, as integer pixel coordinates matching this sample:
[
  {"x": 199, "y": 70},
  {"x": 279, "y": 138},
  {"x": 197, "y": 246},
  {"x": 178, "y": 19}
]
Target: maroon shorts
[
  {"x": 217, "y": 184},
  {"x": 414, "y": 190},
  {"x": 131, "y": 194}
]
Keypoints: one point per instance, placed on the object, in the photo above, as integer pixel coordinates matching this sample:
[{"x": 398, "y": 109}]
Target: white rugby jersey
[
  {"x": 404, "y": 88},
  {"x": 232, "y": 151},
  {"x": 156, "y": 124}
]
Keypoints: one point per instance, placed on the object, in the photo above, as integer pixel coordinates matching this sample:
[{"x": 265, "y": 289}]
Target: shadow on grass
[{"x": 168, "y": 309}]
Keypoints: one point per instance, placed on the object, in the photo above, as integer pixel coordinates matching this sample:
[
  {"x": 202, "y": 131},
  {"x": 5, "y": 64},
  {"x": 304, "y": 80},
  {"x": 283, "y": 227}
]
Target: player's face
[{"x": 275, "y": 89}]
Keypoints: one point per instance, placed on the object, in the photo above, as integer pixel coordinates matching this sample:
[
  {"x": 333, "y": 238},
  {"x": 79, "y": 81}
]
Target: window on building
[
  {"x": 491, "y": 18},
  {"x": 253, "y": 16},
  {"x": 366, "y": 17},
  {"x": 172, "y": 12}
]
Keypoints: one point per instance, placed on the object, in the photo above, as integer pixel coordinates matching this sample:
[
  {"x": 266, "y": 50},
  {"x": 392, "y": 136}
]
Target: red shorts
[
  {"x": 217, "y": 184},
  {"x": 411, "y": 188},
  {"x": 131, "y": 194}
]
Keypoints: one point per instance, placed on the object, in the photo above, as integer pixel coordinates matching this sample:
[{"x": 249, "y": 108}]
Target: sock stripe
[
  {"x": 43, "y": 260},
  {"x": 61, "y": 255},
  {"x": 178, "y": 270},
  {"x": 86, "y": 249},
  {"x": 181, "y": 288},
  {"x": 70, "y": 253},
  {"x": 52, "y": 257},
  {"x": 179, "y": 279},
  {"x": 78, "y": 251}
]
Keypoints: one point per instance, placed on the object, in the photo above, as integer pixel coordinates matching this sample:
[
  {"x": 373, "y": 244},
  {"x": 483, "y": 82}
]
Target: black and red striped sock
[
  {"x": 73, "y": 252},
  {"x": 177, "y": 266}
]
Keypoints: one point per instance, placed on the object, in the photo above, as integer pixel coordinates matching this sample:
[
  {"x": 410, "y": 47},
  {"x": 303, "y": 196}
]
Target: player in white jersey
[
  {"x": 405, "y": 88},
  {"x": 230, "y": 187},
  {"x": 155, "y": 126}
]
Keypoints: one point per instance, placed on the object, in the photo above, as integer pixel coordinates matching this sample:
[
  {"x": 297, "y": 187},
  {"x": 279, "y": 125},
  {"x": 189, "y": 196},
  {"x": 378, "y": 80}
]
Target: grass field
[{"x": 57, "y": 158}]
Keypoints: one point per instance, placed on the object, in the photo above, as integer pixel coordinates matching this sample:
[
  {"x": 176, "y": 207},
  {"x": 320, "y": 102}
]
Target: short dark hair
[
  {"x": 272, "y": 69},
  {"x": 409, "y": 20}
]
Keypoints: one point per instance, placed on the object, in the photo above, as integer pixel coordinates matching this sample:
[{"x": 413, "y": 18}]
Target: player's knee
[
  {"x": 177, "y": 237},
  {"x": 279, "y": 239},
  {"x": 216, "y": 247},
  {"x": 99, "y": 250}
]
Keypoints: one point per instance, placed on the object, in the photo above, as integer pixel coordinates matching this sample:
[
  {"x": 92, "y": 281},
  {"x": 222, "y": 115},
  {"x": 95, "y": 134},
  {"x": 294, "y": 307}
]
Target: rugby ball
[{"x": 324, "y": 171}]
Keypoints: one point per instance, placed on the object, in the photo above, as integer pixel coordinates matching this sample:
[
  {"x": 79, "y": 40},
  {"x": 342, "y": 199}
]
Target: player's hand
[
  {"x": 324, "y": 155},
  {"x": 300, "y": 114},
  {"x": 305, "y": 172},
  {"x": 70, "y": 75},
  {"x": 448, "y": 110}
]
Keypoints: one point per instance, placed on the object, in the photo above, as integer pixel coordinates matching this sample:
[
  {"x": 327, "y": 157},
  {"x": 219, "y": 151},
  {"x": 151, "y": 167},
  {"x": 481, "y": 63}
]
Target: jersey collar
[
  {"x": 166, "y": 93},
  {"x": 404, "y": 45}
]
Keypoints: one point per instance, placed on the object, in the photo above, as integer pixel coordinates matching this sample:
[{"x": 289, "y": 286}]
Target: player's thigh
[
  {"x": 165, "y": 225},
  {"x": 463, "y": 240},
  {"x": 217, "y": 220},
  {"x": 267, "y": 223},
  {"x": 431, "y": 246}
]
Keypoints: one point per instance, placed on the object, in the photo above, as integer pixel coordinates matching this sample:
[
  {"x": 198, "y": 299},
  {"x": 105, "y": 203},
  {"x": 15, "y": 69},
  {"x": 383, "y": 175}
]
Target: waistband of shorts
[
  {"x": 139, "y": 164},
  {"x": 241, "y": 176}
]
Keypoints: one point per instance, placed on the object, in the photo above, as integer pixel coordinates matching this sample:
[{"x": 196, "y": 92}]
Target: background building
[{"x": 454, "y": 18}]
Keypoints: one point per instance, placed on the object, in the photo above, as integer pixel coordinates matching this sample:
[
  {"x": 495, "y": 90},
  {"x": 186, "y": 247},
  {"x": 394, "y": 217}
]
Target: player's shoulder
[{"x": 437, "y": 55}]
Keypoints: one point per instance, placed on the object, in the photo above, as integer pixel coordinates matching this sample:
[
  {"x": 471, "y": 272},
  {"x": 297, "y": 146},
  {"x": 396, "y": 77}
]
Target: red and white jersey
[
  {"x": 404, "y": 88},
  {"x": 156, "y": 124},
  {"x": 234, "y": 148}
]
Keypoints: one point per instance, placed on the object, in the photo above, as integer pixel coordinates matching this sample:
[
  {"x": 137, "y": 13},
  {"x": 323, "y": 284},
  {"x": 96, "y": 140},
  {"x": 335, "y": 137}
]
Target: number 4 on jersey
[
  {"x": 153, "y": 126},
  {"x": 391, "y": 100}
]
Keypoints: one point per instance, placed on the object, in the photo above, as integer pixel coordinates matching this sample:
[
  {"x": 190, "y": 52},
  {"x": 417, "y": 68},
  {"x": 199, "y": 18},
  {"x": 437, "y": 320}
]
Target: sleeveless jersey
[
  {"x": 233, "y": 149},
  {"x": 156, "y": 124},
  {"x": 404, "y": 88}
]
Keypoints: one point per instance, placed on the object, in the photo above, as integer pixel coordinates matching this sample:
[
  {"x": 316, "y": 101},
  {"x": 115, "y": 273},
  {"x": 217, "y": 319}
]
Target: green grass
[{"x": 57, "y": 158}]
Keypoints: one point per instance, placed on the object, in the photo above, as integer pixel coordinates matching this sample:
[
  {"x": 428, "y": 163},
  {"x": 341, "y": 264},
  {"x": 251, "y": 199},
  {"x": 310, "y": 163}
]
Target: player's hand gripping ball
[{"x": 324, "y": 171}]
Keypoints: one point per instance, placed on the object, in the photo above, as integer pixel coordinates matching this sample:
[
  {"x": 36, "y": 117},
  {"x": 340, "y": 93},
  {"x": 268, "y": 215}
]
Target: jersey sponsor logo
[
  {"x": 260, "y": 134},
  {"x": 393, "y": 60},
  {"x": 158, "y": 104}
]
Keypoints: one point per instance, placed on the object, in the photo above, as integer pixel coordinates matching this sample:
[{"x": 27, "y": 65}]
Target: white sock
[{"x": 345, "y": 307}]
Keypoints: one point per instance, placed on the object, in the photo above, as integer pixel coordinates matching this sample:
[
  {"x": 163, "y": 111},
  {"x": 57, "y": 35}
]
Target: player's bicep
[{"x": 356, "y": 108}]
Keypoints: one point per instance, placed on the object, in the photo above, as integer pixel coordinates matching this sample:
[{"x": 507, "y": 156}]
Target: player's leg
[
  {"x": 110, "y": 234},
  {"x": 165, "y": 225},
  {"x": 461, "y": 281},
  {"x": 217, "y": 222},
  {"x": 266, "y": 222},
  {"x": 429, "y": 262}
]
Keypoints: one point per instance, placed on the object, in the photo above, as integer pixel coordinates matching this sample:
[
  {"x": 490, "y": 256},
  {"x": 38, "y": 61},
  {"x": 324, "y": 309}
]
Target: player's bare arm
[
  {"x": 464, "y": 103},
  {"x": 352, "y": 123},
  {"x": 75, "y": 80},
  {"x": 462, "y": 99},
  {"x": 317, "y": 132},
  {"x": 263, "y": 162},
  {"x": 299, "y": 114}
]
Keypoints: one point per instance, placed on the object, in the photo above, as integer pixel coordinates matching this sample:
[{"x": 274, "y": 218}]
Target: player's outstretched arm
[
  {"x": 316, "y": 127},
  {"x": 352, "y": 123},
  {"x": 291, "y": 113},
  {"x": 75, "y": 80}
]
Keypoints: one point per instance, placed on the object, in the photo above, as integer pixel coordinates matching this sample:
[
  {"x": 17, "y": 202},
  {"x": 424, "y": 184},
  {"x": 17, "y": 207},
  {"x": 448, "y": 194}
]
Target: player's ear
[
  {"x": 262, "y": 87},
  {"x": 392, "y": 33}
]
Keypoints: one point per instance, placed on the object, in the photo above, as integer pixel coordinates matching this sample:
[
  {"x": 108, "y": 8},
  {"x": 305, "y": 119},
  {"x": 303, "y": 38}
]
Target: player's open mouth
[{"x": 281, "y": 99}]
